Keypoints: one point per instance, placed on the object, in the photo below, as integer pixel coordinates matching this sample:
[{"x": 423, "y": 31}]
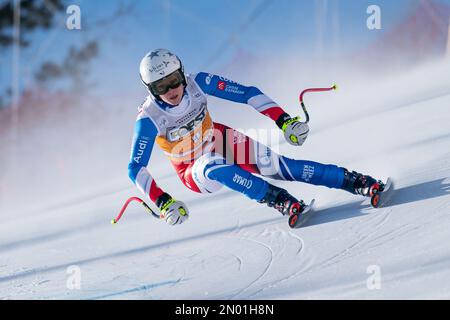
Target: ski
[
  {"x": 297, "y": 220},
  {"x": 383, "y": 195}
]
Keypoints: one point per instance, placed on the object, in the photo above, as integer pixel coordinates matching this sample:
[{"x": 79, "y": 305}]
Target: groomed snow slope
[{"x": 233, "y": 248}]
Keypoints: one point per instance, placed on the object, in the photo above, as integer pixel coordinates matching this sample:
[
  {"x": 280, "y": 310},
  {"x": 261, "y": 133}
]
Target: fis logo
[
  {"x": 208, "y": 79},
  {"x": 163, "y": 122},
  {"x": 246, "y": 183}
]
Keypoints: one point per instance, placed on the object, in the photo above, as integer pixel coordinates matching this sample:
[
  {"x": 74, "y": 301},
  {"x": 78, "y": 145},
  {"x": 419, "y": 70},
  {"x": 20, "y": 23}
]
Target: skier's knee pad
[
  {"x": 267, "y": 161},
  {"x": 199, "y": 176}
]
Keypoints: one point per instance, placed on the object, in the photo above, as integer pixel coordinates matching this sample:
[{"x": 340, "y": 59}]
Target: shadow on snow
[{"x": 418, "y": 192}]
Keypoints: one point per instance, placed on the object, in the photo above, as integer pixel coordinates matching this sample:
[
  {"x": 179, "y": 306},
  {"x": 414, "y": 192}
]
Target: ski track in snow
[
  {"x": 264, "y": 271},
  {"x": 350, "y": 250},
  {"x": 301, "y": 269}
]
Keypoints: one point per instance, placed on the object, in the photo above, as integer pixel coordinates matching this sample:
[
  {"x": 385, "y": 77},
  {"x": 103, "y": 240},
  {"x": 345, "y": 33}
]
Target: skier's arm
[
  {"x": 219, "y": 87},
  {"x": 173, "y": 211},
  {"x": 294, "y": 131},
  {"x": 144, "y": 138}
]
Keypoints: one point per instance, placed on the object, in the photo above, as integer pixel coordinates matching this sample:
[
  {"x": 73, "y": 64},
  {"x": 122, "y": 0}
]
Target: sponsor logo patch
[
  {"x": 221, "y": 85},
  {"x": 242, "y": 181},
  {"x": 177, "y": 133},
  {"x": 142, "y": 144},
  {"x": 208, "y": 78},
  {"x": 234, "y": 89},
  {"x": 308, "y": 173}
]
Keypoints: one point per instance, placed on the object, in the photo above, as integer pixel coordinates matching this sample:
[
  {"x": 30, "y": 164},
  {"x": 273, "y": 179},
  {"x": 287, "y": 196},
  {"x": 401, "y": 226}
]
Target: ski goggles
[{"x": 172, "y": 81}]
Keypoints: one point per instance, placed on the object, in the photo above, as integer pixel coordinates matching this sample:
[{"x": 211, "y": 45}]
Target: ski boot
[
  {"x": 366, "y": 186},
  {"x": 286, "y": 204}
]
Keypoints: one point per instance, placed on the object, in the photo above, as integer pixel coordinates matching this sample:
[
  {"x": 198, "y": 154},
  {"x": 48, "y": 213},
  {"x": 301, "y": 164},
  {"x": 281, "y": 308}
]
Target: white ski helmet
[{"x": 158, "y": 64}]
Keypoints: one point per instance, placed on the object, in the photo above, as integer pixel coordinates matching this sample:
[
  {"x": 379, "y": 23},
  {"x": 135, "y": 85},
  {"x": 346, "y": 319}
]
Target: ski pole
[
  {"x": 149, "y": 210},
  {"x": 334, "y": 87}
]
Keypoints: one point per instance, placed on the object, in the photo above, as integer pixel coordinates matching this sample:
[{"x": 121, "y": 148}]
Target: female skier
[{"x": 207, "y": 155}]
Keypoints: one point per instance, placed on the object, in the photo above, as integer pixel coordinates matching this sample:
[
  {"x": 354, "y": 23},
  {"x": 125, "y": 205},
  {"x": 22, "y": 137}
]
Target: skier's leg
[
  {"x": 255, "y": 157},
  {"x": 212, "y": 169},
  {"x": 183, "y": 171},
  {"x": 227, "y": 166},
  {"x": 311, "y": 172},
  {"x": 327, "y": 175}
]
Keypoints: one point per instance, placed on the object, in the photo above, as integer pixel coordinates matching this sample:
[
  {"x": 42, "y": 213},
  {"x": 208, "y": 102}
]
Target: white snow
[{"x": 232, "y": 247}]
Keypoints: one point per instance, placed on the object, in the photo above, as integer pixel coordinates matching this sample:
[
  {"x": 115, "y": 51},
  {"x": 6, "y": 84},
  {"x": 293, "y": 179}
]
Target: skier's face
[{"x": 173, "y": 96}]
